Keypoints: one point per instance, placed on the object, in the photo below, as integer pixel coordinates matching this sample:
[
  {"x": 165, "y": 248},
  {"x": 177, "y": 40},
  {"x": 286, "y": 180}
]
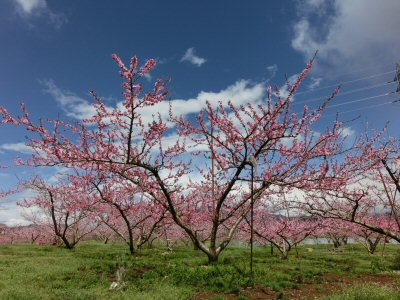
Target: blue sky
[{"x": 54, "y": 52}]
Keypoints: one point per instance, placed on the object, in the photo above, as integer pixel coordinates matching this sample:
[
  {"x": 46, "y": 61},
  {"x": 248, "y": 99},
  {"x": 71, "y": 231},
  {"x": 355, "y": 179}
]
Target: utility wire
[
  {"x": 363, "y": 108},
  {"x": 374, "y": 68},
  {"x": 360, "y": 100},
  {"x": 368, "y": 87},
  {"x": 346, "y": 82}
]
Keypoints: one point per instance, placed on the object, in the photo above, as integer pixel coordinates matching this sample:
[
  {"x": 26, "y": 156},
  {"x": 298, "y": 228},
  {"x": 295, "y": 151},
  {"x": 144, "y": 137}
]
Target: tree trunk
[
  {"x": 285, "y": 252},
  {"x": 68, "y": 245},
  {"x": 128, "y": 227},
  {"x": 372, "y": 245},
  {"x": 131, "y": 243},
  {"x": 284, "y": 255},
  {"x": 212, "y": 258}
]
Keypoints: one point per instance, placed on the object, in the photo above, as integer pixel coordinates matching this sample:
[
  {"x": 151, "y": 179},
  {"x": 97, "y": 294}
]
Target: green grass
[
  {"x": 366, "y": 292},
  {"x": 49, "y": 272}
]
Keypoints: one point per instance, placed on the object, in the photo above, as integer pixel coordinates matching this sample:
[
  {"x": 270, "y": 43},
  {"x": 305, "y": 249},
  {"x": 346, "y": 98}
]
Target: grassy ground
[{"x": 48, "y": 272}]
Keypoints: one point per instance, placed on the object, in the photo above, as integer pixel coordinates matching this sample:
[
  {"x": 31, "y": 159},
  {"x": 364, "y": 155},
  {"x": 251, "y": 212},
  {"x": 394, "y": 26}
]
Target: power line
[
  {"x": 363, "y": 108},
  {"x": 360, "y": 100},
  {"x": 368, "y": 87},
  {"x": 366, "y": 69},
  {"x": 346, "y": 82}
]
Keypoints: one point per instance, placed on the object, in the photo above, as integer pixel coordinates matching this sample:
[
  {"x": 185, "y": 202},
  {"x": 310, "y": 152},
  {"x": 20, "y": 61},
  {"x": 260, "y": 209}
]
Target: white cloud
[
  {"x": 30, "y": 6},
  {"x": 272, "y": 69},
  {"x": 147, "y": 76},
  {"x": 12, "y": 214},
  {"x": 315, "y": 82},
  {"x": 349, "y": 34},
  {"x": 284, "y": 89},
  {"x": 316, "y": 3},
  {"x": 74, "y": 106},
  {"x": 17, "y": 147},
  {"x": 170, "y": 141},
  {"x": 191, "y": 57},
  {"x": 347, "y": 132},
  {"x": 29, "y": 9},
  {"x": 241, "y": 92},
  {"x": 316, "y": 6}
]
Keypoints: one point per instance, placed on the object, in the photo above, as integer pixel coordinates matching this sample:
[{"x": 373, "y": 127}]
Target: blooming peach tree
[
  {"x": 221, "y": 145},
  {"x": 66, "y": 210},
  {"x": 365, "y": 190}
]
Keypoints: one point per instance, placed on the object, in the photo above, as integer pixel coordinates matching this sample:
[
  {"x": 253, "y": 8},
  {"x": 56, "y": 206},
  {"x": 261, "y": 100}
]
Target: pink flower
[
  {"x": 19, "y": 161},
  {"x": 150, "y": 64},
  {"x": 119, "y": 62}
]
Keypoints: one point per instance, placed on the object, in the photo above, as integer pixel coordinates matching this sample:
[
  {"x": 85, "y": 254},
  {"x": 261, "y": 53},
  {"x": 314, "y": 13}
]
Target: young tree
[
  {"x": 121, "y": 202},
  {"x": 369, "y": 238},
  {"x": 66, "y": 208},
  {"x": 336, "y": 231},
  {"x": 282, "y": 230}
]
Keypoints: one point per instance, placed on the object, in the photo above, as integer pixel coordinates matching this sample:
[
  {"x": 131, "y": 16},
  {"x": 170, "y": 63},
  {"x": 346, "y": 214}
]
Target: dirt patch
[
  {"x": 331, "y": 284},
  {"x": 139, "y": 271},
  {"x": 258, "y": 293}
]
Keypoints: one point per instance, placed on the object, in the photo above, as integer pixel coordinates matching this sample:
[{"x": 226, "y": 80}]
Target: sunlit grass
[
  {"x": 49, "y": 272},
  {"x": 366, "y": 292}
]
